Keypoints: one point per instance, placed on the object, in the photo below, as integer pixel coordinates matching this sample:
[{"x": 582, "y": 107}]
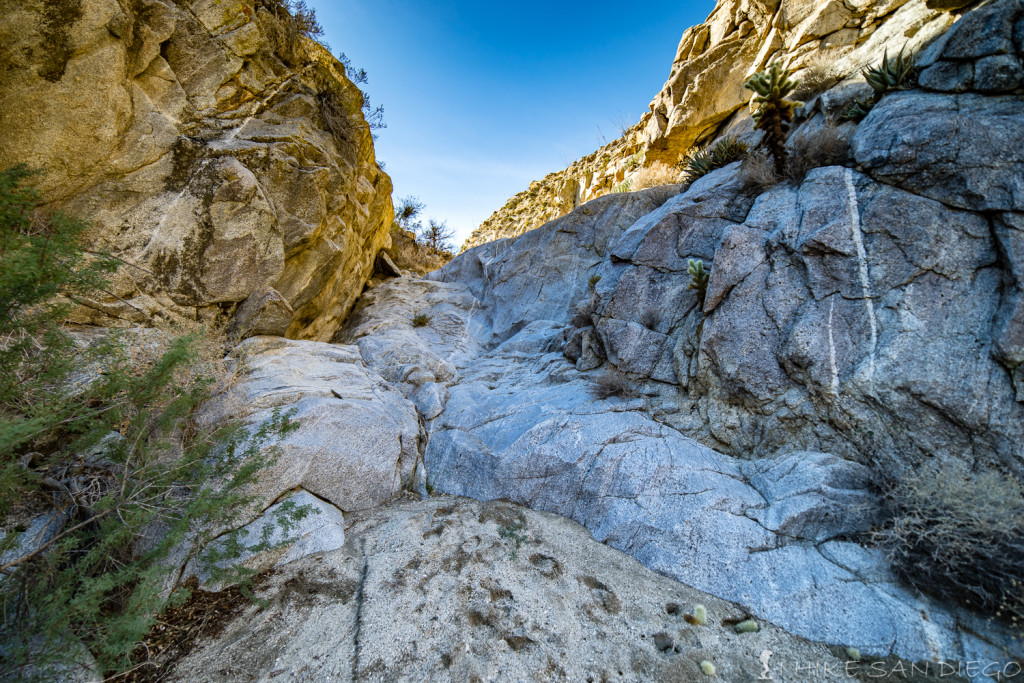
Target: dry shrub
[
  {"x": 960, "y": 537},
  {"x": 338, "y": 120},
  {"x": 656, "y": 175},
  {"x": 758, "y": 172},
  {"x": 819, "y": 74},
  {"x": 826, "y": 147},
  {"x": 409, "y": 254},
  {"x": 611, "y": 383},
  {"x": 141, "y": 349}
]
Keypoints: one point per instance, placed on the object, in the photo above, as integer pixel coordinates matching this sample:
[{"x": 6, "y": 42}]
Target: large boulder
[
  {"x": 454, "y": 589},
  {"x": 216, "y": 151},
  {"x": 357, "y": 441}
]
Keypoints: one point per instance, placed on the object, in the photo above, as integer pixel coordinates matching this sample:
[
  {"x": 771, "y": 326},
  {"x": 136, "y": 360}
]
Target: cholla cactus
[
  {"x": 700, "y": 613},
  {"x": 699, "y": 277},
  {"x": 774, "y": 115}
]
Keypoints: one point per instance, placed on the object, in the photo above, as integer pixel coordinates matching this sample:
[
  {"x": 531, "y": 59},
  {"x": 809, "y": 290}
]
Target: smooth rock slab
[
  {"x": 357, "y": 444},
  {"x": 321, "y": 530},
  {"x": 451, "y": 589}
]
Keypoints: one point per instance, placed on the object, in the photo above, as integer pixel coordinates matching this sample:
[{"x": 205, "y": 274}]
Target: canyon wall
[
  {"x": 704, "y": 93},
  {"x": 217, "y": 151}
]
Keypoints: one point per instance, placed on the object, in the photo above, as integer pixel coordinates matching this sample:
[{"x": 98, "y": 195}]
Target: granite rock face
[
  {"x": 519, "y": 421},
  {"x": 215, "y": 150},
  {"x": 859, "y": 323},
  {"x": 454, "y": 589},
  {"x": 824, "y": 41}
]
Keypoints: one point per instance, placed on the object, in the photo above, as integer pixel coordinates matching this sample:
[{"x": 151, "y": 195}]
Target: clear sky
[{"x": 480, "y": 98}]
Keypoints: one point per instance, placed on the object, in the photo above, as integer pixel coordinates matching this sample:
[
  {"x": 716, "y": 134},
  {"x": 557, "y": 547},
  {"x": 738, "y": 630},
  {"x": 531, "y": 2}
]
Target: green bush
[
  {"x": 421, "y": 320},
  {"x": 108, "y": 446},
  {"x": 960, "y": 537}
]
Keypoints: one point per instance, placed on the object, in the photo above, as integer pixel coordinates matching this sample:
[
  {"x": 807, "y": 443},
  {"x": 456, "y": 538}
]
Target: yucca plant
[{"x": 774, "y": 114}]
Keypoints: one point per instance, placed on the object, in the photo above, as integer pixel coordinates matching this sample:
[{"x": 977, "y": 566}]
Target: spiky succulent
[
  {"x": 859, "y": 109},
  {"x": 698, "y": 279},
  {"x": 723, "y": 152},
  {"x": 892, "y": 74},
  {"x": 889, "y": 76},
  {"x": 774, "y": 114}
]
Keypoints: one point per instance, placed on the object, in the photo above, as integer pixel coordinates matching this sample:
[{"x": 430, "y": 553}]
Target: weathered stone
[
  {"x": 1009, "y": 335},
  {"x": 805, "y": 491},
  {"x": 385, "y": 265},
  {"x": 321, "y": 530},
  {"x": 262, "y": 313},
  {"x": 943, "y": 147},
  {"x": 986, "y": 31},
  {"x": 947, "y": 5},
  {"x": 998, "y": 74},
  {"x": 356, "y": 446},
  {"x": 450, "y": 588},
  {"x": 948, "y": 77},
  {"x": 193, "y": 139}
]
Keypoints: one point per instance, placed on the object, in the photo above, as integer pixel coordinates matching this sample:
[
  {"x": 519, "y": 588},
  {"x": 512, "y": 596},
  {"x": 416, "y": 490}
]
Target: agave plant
[
  {"x": 889, "y": 76},
  {"x": 859, "y": 109},
  {"x": 774, "y": 114},
  {"x": 723, "y": 152}
]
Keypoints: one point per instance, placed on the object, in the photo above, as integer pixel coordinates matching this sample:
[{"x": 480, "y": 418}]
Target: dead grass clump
[
  {"x": 655, "y": 175},
  {"x": 409, "y": 254},
  {"x": 826, "y": 147},
  {"x": 819, "y": 75},
  {"x": 960, "y": 537},
  {"x": 758, "y": 172},
  {"x": 609, "y": 384}
]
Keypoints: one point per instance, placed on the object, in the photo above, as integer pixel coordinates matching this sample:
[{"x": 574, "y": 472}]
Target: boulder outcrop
[
  {"x": 824, "y": 42},
  {"x": 454, "y": 589},
  {"x": 859, "y": 323},
  {"x": 217, "y": 151}
]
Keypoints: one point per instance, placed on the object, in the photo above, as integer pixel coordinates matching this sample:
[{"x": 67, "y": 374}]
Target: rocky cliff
[
  {"x": 862, "y": 321},
  {"x": 824, "y": 42},
  {"x": 216, "y": 150}
]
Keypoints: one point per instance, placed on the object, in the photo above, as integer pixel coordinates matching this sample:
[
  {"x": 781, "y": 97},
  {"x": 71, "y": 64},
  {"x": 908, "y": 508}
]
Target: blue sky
[{"x": 480, "y": 98}]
